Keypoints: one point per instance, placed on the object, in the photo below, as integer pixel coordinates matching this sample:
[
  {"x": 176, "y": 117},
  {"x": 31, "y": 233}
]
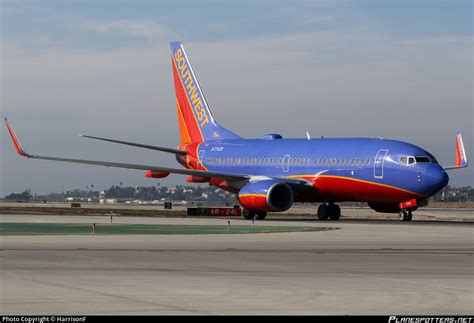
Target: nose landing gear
[
  {"x": 405, "y": 215},
  {"x": 329, "y": 212}
]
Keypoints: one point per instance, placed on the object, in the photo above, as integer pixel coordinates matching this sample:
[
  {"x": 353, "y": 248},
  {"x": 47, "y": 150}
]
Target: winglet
[
  {"x": 461, "y": 160},
  {"x": 19, "y": 148}
]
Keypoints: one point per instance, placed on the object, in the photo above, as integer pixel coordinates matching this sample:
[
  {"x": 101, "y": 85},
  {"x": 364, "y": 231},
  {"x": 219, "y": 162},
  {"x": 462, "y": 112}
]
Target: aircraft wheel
[
  {"x": 261, "y": 215},
  {"x": 408, "y": 216},
  {"x": 405, "y": 215},
  {"x": 334, "y": 212},
  {"x": 248, "y": 214},
  {"x": 323, "y": 212}
]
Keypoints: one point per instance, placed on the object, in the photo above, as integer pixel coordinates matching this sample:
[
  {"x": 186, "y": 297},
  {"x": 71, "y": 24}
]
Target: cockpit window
[
  {"x": 407, "y": 160},
  {"x": 422, "y": 159},
  {"x": 433, "y": 160}
]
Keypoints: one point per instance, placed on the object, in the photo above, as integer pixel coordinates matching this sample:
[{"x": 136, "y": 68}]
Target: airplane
[{"x": 271, "y": 173}]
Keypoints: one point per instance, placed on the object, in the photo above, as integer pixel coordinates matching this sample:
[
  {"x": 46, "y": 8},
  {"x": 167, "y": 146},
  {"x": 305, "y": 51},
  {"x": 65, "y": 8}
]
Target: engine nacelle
[{"x": 266, "y": 195}]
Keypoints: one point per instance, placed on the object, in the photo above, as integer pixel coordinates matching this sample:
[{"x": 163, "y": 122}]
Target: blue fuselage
[{"x": 379, "y": 162}]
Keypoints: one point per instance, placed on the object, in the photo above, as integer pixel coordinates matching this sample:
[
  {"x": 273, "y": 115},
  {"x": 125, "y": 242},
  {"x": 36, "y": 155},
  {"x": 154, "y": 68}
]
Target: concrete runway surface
[{"x": 379, "y": 267}]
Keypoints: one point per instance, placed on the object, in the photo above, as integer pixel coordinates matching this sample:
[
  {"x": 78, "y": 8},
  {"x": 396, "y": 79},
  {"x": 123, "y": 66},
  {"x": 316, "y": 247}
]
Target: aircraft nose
[{"x": 436, "y": 178}]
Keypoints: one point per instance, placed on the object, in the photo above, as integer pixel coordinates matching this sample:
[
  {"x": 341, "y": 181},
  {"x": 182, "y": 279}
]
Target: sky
[{"x": 387, "y": 69}]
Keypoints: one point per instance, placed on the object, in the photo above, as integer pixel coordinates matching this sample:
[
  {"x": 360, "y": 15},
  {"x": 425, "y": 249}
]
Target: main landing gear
[
  {"x": 329, "y": 212},
  {"x": 405, "y": 215},
  {"x": 251, "y": 215}
]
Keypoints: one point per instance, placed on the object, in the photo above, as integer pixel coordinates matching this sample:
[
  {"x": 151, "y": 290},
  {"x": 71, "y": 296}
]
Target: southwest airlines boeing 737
[{"x": 271, "y": 173}]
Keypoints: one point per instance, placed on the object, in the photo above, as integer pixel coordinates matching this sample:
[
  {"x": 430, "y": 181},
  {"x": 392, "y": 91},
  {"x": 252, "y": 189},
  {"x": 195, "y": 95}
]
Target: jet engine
[{"x": 266, "y": 195}]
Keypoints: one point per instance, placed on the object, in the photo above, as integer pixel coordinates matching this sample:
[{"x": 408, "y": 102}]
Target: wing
[
  {"x": 22, "y": 152},
  {"x": 164, "y": 149},
  {"x": 237, "y": 180}
]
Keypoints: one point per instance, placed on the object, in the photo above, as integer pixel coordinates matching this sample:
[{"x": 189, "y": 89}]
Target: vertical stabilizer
[{"x": 196, "y": 123}]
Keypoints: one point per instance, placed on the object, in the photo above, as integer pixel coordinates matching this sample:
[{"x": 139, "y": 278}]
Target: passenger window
[{"x": 362, "y": 162}]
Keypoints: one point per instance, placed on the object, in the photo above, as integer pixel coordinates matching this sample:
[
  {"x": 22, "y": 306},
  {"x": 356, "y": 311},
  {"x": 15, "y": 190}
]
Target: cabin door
[
  {"x": 286, "y": 163},
  {"x": 378, "y": 163}
]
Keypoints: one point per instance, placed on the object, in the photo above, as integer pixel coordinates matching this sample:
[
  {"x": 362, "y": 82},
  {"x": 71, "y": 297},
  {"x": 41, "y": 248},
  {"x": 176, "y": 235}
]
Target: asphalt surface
[{"x": 365, "y": 267}]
